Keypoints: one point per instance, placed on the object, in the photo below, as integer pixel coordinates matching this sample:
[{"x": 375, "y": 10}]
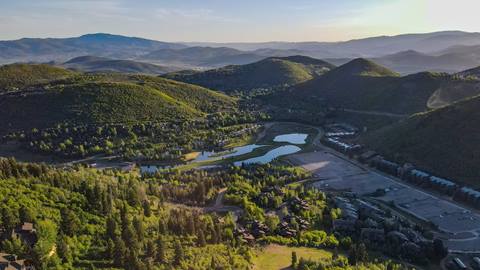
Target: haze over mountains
[
  {"x": 449, "y": 51},
  {"x": 103, "y": 64}
]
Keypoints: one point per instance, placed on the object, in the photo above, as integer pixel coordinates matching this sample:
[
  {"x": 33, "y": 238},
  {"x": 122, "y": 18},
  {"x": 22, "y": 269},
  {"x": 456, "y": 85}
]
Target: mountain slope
[
  {"x": 473, "y": 73},
  {"x": 444, "y": 141},
  {"x": 62, "y": 49},
  {"x": 102, "y": 64},
  {"x": 201, "y": 57},
  {"x": 17, "y": 76},
  {"x": 108, "y": 98},
  {"x": 268, "y": 73},
  {"x": 364, "y": 85},
  {"x": 361, "y": 67}
]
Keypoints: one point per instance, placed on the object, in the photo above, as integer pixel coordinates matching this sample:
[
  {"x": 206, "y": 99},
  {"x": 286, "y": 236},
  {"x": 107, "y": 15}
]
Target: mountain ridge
[
  {"x": 270, "y": 72},
  {"x": 103, "y": 64}
]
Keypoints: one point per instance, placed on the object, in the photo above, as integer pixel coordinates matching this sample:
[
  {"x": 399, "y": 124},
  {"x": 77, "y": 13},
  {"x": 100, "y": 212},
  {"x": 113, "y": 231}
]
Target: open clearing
[
  {"x": 340, "y": 174},
  {"x": 276, "y": 257}
]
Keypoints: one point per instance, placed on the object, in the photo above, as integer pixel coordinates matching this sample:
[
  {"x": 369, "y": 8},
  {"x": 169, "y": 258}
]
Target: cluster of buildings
[
  {"x": 422, "y": 179},
  {"x": 469, "y": 195},
  {"x": 11, "y": 262},
  {"x": 28, "y": 235},
  {"x": 458, "y": 264},
  {"x": 333, "y": 134},
  {"x": 340, "y": 146},
  {"x": 407, "y": 172},
  {"x": 371, "y": 225},
  {"x": 290, "y": 225}
]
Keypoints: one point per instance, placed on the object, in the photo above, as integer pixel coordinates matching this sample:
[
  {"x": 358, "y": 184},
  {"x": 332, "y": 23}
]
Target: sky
[{"x": 235, "y": 20}]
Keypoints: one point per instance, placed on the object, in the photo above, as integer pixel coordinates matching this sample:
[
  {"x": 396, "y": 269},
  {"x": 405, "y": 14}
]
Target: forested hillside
[
  {"x": 103, "y": 98},
  {"x": 365, "y": 86},
  {"x": 266, "y": 74},
  {"x": 444, "y": 140},
  {"x": 16, "y": 76}
]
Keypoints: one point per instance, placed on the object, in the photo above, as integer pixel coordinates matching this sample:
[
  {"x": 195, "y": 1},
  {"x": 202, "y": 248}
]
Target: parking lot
[{"x": 338, "y": 173}]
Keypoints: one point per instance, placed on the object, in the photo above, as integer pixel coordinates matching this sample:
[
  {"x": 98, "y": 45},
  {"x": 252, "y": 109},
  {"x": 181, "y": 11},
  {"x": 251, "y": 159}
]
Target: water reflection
[
  {"x": 271, "y": 155},
  {"x": 295, "y": 138}
]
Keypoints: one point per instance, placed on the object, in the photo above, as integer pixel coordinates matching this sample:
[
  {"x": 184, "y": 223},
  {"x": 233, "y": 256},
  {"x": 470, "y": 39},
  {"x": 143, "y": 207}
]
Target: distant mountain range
[
  {"x": 62, "y": 49},
  {"x": 367, "y": 47},
  {"x": 103, "y": 64},
  {"x": 448, "y": 51},
  {"x": 201, "y": 57}
]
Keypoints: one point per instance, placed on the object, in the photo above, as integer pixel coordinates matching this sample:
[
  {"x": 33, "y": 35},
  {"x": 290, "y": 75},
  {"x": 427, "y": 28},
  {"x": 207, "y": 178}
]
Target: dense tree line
[{"x": 145, "y": 141}]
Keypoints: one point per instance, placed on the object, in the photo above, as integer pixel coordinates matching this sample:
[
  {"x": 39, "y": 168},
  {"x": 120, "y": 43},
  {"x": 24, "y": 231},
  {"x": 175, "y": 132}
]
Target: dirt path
[{"x": 263, "y": 133}]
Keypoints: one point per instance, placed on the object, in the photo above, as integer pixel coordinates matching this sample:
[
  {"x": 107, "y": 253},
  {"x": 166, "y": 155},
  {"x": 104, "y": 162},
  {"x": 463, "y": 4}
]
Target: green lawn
[{"x": 276, "y": 257}]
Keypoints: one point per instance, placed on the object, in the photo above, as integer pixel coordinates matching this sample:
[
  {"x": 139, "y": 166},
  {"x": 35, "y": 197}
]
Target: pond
[
  {"x": 205, "y": 156},
  {"x": 237, "y": 151},
  {"x": 152, "y": 169},
  {"x": 294, "y": 138},
  {"x": 271, "y": 155}
]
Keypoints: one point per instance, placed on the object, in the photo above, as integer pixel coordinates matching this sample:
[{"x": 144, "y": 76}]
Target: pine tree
[
  {"x": 119, "y": 252},
  {"x": 294, "y": 259},
  {"x": 63, "y": 250},
  {"x": 139, "y": 229},
  {"x": 15, "y": 245},
  {"x": 213, "y": 263},
  {"x": 111, "y": 231},
  {"x": 147, "y": 211},
  {"x": 160, "y": 256},
  {"x": 70, "y": 223},
  {"x": 179, "y": 253},
  {"x": 110, "y": 251},
  {"x": 26, "y": 214},
  {"x": 191, "y": 225},
  {"x": 162, "y": 227},
  {"x": 201, "y": 242},
  {"x": 150, "y": 249}
]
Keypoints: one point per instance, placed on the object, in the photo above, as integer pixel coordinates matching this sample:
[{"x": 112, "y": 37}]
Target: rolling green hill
[
  {"x": 444, "y": 141},
  {"x": 100, "y": 98},
  {"x": 362, "y": 67},
  {"x": 268, "y": 73},
  {"x": 366, "y": 86},
  {"x": 15, "y": 76}
]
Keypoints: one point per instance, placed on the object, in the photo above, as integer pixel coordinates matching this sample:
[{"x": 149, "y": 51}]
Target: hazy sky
[{"x": 235, "y": 20}]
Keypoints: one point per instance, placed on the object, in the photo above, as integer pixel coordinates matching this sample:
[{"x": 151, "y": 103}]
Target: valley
[{"x": 154, "y": 155}]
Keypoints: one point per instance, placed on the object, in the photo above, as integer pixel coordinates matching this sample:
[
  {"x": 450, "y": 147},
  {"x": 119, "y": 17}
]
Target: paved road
[
  {"x": 376, "y": 113},
  {"x": 219, "y": 206}
]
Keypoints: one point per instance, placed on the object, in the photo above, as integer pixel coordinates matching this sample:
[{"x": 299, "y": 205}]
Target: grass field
[{"x": 276, "y": 257}]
